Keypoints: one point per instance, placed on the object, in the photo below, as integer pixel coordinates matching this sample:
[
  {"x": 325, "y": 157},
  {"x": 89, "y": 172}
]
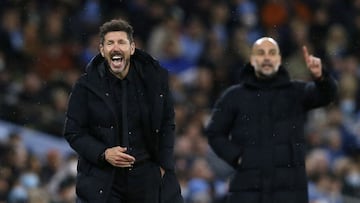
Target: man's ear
[
  {"x": 101, "y": 49},
  {"x": 252, "y": 60},
  {"x": 132, "y": 47}
]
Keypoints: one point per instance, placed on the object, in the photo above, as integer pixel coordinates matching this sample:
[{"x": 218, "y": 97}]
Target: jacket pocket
[
  {"x": 89, "y": 188},
  {"x": 245, "y": 180},
  {"x": 170, "y": 189},
  {"x": 251, "y": 158}
]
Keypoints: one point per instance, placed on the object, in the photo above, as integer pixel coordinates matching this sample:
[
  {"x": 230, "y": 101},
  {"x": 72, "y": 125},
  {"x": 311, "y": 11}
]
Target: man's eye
[{"x": 272, "y": 53}]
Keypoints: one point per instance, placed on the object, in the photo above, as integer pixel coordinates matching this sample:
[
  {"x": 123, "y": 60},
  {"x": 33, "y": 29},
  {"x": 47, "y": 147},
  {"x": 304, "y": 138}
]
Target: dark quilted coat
[
  {"x": 92, "y": 126},
  {"x": 263, "y": 122}
]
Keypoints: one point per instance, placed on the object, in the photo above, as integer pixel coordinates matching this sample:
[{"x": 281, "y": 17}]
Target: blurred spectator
[
  {"x": 62, "y": 184},
  {"x": 54, "y": 59},
  {"x": 274, "y": 13},
  {"x": 299, "y": 33},
  {"x": 90, "y": 50},
  {"x": 18, "y": 194},
  {"x": 32, "y": 45},
  {"x": 247, "y": 16},
  {"x": 192, "y": 39},
  {"x": 89, "y": 15},
  {"x": 336, "y": 41},
  {"x": 66, "y": 190},
  {"x": 349, "y": 138},
  {"x": 326, "y": 188},
  {"x": 352, "y": 180},
  {"x": 169, "y": 27},
  {"x": 32, "y": 101},
  {"x": 218, "y": 21},
  {"x": 50, "y": 166},
  {"x": 12, "y": 29},
  {"x": 333, "y": 145}
]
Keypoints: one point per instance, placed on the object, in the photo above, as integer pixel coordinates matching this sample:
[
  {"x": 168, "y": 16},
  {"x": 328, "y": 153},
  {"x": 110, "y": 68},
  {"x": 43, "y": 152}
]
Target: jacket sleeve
[
  {"x": 167, "y": 137},
  {"x": 320, "y": 92},
  {"x": 76, "y": 128},
  {"x": 219, "y": 128}
]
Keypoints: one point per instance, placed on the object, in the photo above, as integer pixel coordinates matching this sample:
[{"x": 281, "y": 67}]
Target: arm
[
  {"x": 167, "y": 138},
  {"x": 324, "y": 88},
  {"x": 219, "y": 128},
  {"x": 76, "y": 129}
]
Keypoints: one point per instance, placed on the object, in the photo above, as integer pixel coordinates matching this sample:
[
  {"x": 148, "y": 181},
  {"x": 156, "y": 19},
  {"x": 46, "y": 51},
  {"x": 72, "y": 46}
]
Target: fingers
[
  {"x": 162, "y": 171},
  {"x": 118, "y": 157},
  {"x": 121, "y": 149},
  {"x": 120, "y": 152},
  {"x": 123, "y": 160},
  {"x": 313, "y": 63},
  {"x": 306, "y": 54},
  {"x": 123, "y": 164},
  {"x": 125, "y": 157}
]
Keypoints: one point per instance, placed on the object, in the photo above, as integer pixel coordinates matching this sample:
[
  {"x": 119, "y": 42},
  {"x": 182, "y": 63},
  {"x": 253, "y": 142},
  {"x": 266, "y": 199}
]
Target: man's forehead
[
  {"x": 265, "y": 42},
  {"x": 116, "y": 34}
]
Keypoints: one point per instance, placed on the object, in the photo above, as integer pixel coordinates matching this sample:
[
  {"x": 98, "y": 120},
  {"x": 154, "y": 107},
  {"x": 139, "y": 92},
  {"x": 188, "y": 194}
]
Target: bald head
[
  {"x": 264, "y": 40},
  {"x": 265, "y": 57}
]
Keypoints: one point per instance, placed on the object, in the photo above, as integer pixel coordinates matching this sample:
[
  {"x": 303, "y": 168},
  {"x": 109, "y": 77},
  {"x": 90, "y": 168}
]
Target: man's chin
[
  {"x": 267, "y": 75},
  {"x": 117, "y": 70},
  {"x": 117, "y": 66}
]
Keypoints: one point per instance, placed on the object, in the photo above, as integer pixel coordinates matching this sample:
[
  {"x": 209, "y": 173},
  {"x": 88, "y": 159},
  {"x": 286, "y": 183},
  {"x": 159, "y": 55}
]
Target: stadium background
[{"x": 45, "y": 45}]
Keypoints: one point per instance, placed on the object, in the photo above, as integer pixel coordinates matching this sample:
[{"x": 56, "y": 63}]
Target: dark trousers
[{"x": 139, "y": 184}]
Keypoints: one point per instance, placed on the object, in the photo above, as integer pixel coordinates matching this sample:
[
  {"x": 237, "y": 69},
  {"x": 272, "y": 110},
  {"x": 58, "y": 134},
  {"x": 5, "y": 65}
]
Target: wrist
[{"x": 102, "y": 157}]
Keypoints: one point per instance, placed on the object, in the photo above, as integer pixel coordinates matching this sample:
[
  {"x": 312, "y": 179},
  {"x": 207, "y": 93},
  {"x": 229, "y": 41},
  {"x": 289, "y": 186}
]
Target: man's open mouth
[
  {"x": 267, "y": 65},
  {"x": 117, "y": 59}
]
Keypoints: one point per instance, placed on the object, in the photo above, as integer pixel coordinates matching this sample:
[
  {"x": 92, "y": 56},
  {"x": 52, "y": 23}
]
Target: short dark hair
[{"x": 116, "y": 25}]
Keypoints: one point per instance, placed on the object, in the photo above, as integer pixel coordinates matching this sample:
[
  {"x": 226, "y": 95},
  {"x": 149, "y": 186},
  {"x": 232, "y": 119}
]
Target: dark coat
[
  {"x": 92, "y": 126},
  {"x": 263, "y": 122}
]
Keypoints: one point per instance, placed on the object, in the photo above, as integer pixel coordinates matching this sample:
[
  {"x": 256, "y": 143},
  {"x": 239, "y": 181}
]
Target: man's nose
[
  {"x": 267, "y": 56},
  {"x": 267, "y": 59},
  {"x": 116, "y": 46}
]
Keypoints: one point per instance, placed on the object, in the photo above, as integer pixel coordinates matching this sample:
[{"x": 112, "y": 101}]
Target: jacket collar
[
  {"x": 140, "y": 59},
  {"x": 95, "y": 65},
  {"x": 248, "y": 77}
]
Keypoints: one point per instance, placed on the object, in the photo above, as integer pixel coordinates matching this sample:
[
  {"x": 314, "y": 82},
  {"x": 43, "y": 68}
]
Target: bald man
[{"x": 257, "y": 126}]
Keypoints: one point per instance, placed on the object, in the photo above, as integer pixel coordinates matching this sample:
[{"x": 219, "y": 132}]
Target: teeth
[{"x": 116, "y": 58}]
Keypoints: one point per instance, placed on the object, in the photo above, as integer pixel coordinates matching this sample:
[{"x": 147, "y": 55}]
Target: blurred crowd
[{"x": 45, "y": 46}]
